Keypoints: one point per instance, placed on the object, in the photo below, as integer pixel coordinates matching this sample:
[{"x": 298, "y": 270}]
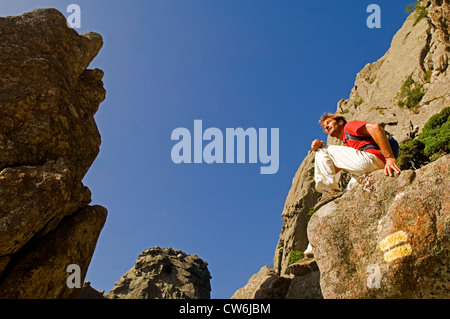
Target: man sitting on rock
[{"x": 366, "y": 148}]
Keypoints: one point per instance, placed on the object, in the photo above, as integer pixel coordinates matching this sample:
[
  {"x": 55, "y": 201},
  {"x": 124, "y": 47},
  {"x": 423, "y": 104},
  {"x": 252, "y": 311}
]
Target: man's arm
[{"x": 379, "y": 136}]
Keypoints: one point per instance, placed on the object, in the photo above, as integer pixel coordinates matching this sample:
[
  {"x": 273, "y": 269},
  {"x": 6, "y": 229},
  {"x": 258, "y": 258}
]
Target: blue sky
[{"x": 230, "y": 63}]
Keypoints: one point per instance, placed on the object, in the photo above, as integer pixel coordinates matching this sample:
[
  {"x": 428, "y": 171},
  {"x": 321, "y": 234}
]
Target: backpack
[{"x": 392, "y": 141}]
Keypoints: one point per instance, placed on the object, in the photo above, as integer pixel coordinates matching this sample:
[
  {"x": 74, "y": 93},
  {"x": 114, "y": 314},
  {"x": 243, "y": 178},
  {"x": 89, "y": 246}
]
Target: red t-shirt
[{"x": 353, "y": 128}]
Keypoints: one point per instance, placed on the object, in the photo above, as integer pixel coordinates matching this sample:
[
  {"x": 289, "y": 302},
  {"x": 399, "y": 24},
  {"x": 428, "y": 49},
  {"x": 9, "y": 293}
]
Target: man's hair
[{"x": 336, "y": 117}]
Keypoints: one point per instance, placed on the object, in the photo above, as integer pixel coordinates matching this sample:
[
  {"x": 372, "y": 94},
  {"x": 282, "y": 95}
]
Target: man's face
[{"x": 333, "y": 128}]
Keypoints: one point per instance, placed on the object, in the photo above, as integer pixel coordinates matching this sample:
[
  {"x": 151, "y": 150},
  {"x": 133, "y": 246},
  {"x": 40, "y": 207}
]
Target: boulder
[
  {"x": 48, "y": 97},
  {"x": 387, "y": 238},
  {"x": 164, "y": 273},
  {"x": 48, "y": 141},
  {"x": 39, "y": 271},
  {"x": 305, "y": 287},
  {"x": 88, "y": 292},
  {"x": 265, "y": 284}
]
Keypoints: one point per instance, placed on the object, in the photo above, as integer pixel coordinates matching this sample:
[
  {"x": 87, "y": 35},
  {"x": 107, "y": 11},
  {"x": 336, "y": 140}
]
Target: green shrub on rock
[
  {"x": 411, "y": 93},
  {"x": 295, "y": 256},
  {"x": 433, "y": 143}
]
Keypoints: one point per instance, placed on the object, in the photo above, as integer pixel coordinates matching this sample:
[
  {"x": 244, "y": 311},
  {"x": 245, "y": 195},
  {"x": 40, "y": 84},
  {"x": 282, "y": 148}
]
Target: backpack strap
[
  {"x": 394, "y": 144},
  {"x": 356, "y": 138}
]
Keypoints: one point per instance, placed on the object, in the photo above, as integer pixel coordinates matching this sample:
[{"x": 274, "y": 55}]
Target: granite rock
[
  {"x": 164, "y": 273},
  {"x": 48, "y": 141}
]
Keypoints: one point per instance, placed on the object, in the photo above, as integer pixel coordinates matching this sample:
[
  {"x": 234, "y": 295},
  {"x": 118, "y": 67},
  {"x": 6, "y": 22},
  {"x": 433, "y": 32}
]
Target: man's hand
[
  {"x": 316, "y": 144},
  {"x": 391, "y": 166}
]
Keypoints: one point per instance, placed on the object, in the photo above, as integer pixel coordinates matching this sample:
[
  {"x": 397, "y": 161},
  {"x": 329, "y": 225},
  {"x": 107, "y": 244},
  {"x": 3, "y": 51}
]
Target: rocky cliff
[
  {"x": 398, "y": 246},
  {"x": 401, "y": 90},
  {"x": 48, "y": 141},
  {"x": 410, "y": 83},
  {"x": 164, "y": 273}
]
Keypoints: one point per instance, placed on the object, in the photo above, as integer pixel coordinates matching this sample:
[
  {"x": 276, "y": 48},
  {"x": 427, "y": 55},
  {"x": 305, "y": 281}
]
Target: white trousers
[{"x": 349, "y": 159}]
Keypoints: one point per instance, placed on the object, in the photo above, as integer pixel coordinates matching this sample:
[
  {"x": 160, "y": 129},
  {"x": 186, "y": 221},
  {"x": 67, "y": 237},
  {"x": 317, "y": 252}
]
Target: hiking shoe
[
  {"x": 308, "y": 253},
  {"x": 303, "y": 267},
  {"x": 328, "y": 196}
]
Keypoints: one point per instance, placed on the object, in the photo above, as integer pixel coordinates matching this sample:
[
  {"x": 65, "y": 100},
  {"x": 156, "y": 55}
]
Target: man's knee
[
  {"x": 322, "y": 153},
  {"x": 323, "y": 156}
]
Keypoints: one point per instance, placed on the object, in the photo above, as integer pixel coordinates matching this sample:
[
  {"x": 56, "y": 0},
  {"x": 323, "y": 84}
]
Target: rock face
[
  {"x": 279, "y": 283},
  {"x": 419, "y": 56},
  {"x": 48, "y": 140},
  {"x": 266, "y": 284},
  {"x": 87, "y": 292},
  {"x": 398, "y": 246},
  {"x": 164, "y": 273},
  {"x": 420, "y": 49},
  {"x": 302, "y": 196},
  {"x": 415, "y": 49}
]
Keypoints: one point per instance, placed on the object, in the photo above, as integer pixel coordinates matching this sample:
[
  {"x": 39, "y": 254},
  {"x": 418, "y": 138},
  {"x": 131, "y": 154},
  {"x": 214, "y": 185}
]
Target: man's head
[{"x": 333, "y": 124}]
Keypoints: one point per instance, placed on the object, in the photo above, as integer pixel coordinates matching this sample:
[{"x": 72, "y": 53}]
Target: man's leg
[
  {"x": 349, "y": 159},
  {"x": 325, "y": 171},
  {"x": 330, "y": 157}
]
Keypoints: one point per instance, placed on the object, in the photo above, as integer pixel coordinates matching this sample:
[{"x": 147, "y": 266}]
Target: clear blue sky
[{"x": 230, "y": 63}]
